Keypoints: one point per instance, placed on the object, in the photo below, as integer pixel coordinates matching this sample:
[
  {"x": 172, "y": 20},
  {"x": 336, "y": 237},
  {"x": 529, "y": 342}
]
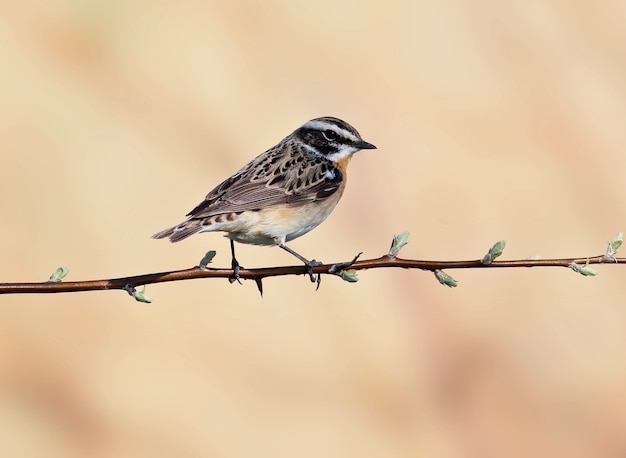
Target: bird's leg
[
  {"x": 309, "y": 264},
  {"x": 234, "y": 264}
]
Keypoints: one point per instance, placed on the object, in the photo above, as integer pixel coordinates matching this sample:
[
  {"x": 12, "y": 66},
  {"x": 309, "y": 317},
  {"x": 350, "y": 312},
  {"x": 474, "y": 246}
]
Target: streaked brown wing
[{"x": 274, "y": 178}]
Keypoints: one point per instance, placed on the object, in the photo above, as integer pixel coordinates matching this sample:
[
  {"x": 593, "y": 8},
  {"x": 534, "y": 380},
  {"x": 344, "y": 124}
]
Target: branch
[
  {"x": 261, "y": 273},
  {"x": 346, "y": 270}
]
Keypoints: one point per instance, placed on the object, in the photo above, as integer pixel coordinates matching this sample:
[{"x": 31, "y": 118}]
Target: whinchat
[{"x": 282, "y": 194}]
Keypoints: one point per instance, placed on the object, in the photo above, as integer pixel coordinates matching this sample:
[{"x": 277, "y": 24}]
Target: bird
[{"x": 280, "y": 195}]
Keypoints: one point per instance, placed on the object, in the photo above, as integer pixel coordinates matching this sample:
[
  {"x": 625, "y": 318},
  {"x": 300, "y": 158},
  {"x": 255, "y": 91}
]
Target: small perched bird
[{"x": 281, "y": 194}]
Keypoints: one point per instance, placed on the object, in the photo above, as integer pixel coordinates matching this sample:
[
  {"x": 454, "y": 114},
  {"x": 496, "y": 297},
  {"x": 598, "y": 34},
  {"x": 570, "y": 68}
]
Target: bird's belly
[{"x": 266, "y": 226}]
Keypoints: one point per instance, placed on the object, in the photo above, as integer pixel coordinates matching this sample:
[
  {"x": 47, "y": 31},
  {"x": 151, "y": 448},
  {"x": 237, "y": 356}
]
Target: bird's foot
[
  {"x": 309, "y": 270},
  {"x": 235, "y": 276}
]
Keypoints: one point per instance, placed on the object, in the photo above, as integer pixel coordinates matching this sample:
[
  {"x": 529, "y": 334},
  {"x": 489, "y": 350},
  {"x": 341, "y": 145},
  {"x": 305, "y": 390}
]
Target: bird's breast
[{"x": 282, "y": 223}]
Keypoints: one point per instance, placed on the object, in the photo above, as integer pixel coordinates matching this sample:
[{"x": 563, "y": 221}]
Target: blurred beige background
[{"x": 493, "y": 120}]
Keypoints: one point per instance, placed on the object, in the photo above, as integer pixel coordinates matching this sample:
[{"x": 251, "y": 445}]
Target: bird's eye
[{"x": 330, "y": 135}]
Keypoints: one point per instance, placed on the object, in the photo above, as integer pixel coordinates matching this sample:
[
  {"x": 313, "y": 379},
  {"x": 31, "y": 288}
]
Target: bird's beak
[{"x": 362, "y": 144}]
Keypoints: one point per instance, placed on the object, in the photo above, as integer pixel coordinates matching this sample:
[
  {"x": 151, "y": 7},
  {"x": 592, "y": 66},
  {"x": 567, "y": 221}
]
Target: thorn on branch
[
  {"x": 346, "y": 275},
  {"x": 335, "y": 268},
  {"x": 259, "y": 285}
]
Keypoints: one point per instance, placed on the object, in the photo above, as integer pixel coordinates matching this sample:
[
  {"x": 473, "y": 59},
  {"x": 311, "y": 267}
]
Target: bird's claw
[
  {"x": 309, "y": 270},
  {"x": 235, "y": 276}
]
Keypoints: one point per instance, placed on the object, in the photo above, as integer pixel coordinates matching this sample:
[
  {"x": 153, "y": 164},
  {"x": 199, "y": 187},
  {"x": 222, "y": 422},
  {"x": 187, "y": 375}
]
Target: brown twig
[{"x": 130, "y": 283}]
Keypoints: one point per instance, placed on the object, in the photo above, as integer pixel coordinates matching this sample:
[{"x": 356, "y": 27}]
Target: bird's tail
[{"x": 180, "y": 232}]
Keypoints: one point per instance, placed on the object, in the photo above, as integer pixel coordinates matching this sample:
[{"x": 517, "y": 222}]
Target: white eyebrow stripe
[{"x": 323, "y": 125}]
